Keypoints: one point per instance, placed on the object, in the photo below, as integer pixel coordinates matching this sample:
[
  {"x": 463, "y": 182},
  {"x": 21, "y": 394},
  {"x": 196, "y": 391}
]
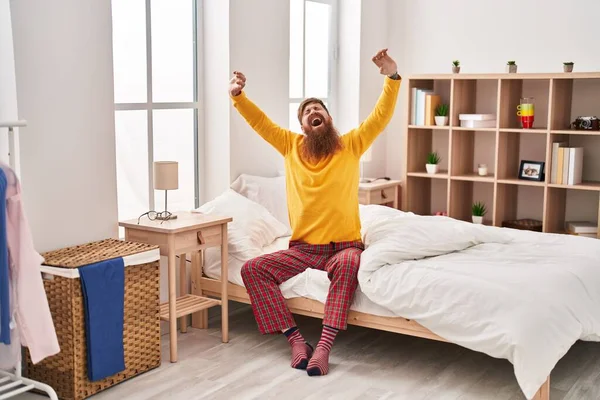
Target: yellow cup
[{"x": 525, "y": 110}]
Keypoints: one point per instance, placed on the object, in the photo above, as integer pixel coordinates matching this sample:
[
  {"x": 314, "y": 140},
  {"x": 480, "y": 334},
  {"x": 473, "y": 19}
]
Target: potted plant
[
  {"x": 441, "y": 115},
  {"x": 478, "y": 210},
  {"x": 433, "y": 160},
  {"x": 456, "y": 66},
  {"x": 511, "y": 67},
  {"x": 568, "y": 66}
]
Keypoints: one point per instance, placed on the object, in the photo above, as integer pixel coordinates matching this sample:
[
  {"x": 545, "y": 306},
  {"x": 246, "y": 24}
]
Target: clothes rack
[{"x": 13, "y": 384}]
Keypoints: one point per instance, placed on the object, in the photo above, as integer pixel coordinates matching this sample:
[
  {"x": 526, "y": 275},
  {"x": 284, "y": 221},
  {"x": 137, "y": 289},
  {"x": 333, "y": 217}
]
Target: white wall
[
  {"x": 216, "y": 100},
  {"x": 253, "y": 39},
  {"x": 539, "y": 36},
  {"x": 348, "y": 72},
  {"x": 64, "y": 81},
  {"x": 8, "y": 90},
  {"x": 260, "y": 48}
]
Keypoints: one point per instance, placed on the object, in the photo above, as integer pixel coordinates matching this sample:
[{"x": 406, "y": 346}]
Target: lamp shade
[{"x": 166, "y": 175}]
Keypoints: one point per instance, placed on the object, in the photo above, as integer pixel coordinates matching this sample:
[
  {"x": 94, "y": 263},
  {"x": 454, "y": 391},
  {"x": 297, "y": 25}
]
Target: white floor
[{"x": 365, "y": 364}]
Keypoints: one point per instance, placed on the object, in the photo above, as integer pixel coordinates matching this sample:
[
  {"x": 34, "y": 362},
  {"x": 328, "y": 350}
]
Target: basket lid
[{"x": 93, "y": 252}]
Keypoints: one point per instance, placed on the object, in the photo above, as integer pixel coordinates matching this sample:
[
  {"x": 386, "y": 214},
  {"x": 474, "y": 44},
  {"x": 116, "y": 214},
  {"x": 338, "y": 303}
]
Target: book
[{"x": 432, "y": 101}]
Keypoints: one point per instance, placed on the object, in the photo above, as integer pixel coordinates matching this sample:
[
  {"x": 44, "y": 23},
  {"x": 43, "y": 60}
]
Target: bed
[{"x": 519, "y": 295}]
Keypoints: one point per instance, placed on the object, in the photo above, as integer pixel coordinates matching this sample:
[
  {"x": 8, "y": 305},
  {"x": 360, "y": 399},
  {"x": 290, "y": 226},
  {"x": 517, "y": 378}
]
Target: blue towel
[
  {"x": 4, "y": 285},
  {"x": 103, "y": 287}
]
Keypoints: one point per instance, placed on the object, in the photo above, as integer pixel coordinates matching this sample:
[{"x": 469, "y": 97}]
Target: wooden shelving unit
[{"x": 559, "y": 99}]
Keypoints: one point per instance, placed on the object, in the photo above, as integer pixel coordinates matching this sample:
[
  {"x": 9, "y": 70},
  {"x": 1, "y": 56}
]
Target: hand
[
  {"x": 387, "y": 66},
  {"x": 237, "y": 83}
]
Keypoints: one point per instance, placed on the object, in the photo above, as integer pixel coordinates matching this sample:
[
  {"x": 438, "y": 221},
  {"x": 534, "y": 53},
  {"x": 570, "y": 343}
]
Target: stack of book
[
  {"x": 582, "y": 228},
  {"x": 567, "y": 164},
  {"x": 424, "y": 104}
]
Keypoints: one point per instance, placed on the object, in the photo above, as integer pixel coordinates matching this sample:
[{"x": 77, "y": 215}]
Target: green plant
[
  {"x": 456, "y": 63},
  {"x": 568, "y": 63},
  {"x": 511, "y": 63},
  {"x": 442, "y": 110},
  {"x": 433, "y": 158},
  {"x": 478, "y": 209}
]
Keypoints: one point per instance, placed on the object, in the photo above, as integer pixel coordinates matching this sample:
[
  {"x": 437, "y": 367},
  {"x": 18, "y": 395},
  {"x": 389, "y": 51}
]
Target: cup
[{"x": 526, "y": 112}]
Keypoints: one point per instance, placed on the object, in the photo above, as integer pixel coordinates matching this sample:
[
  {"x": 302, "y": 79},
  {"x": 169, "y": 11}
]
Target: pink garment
[{"x": 28, "y": 299}]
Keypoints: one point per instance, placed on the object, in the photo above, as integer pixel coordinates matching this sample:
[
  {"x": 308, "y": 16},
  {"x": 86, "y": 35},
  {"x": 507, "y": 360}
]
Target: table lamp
[{"x": 166, "y": 177}]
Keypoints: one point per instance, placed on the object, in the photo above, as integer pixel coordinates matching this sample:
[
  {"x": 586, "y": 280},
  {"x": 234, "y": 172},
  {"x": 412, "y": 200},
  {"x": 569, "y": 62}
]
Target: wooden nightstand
[
  {"x": 380, "y": 192},
  {"x": 189, "y": 233}
]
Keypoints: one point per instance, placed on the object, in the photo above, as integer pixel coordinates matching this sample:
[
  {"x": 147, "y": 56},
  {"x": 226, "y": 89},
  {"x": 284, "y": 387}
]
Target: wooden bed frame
[{"x": 312, "y": 308}]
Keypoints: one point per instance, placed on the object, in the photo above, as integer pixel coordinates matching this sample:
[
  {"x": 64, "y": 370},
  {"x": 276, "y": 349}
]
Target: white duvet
[{"x": 518, "y": 295}]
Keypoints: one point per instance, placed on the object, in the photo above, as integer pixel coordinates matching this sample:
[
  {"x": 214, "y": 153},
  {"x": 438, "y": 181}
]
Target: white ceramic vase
[
  {"x": 441, "y": 120},
  {"x": 432, "y": 168},
  {"x": 477, "y": 219}
]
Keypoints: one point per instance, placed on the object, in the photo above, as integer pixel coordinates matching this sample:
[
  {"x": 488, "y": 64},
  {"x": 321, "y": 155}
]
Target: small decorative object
[
  {"x": 568, "y": 66},
  {"x": 482, "y": 170},
  {"x": 511, "y": 67},
  {"x": 532, "y": 170},
  {"x": 478, "y": 210},
  {"x": 433, "y": 160},
  {"x": 166, "y": 177},
  {"x": 441, "y": 214},
  {"x": 441, "y": 115},
  {"x": 526, "y": 112},
  {"x": 586, "y": 123},
  {"x": 455, "y": 66}
]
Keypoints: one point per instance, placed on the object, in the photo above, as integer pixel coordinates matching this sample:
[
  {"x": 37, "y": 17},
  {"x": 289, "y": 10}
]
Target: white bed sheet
[
  {"x": 519, "y": 295},
  {"x": 312, "y": 284}
]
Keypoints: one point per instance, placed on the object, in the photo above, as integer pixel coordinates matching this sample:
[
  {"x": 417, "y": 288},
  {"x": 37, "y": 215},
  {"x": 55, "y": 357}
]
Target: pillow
[
  {"x": 268, "y": 192},
  {"x": 252, "y": 228}
]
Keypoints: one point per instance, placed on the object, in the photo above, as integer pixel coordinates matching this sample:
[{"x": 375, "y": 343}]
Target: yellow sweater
[{"x": 323, "y": 197}]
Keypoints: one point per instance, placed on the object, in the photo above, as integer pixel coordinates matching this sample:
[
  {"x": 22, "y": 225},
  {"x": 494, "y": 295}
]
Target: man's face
[{"x": 315, "y": 119}]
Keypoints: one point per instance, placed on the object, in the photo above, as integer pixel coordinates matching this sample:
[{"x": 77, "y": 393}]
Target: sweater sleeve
[
  {"x": 278, "y": 137},
  {"x": 365, "y": 134}
]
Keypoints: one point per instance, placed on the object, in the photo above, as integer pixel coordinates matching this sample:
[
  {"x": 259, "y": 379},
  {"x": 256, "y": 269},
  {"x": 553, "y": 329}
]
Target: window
[
  {"x": 155, "y": 47},
  {"x": 313, "y": 42}
]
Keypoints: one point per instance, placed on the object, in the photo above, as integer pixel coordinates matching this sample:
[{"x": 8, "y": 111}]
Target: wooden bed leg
[
  {"x": 200, "y": 318},
  {"x": 544, "y": 392}
]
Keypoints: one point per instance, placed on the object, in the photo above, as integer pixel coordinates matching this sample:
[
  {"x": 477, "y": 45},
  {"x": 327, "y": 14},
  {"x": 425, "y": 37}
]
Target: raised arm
[
  {"x": 275, "y": 135},
  {"x": 363, "y": 136}
]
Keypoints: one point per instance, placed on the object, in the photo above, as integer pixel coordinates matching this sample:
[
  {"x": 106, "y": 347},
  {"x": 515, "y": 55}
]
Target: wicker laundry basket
[{"x": 66, "y": 371}]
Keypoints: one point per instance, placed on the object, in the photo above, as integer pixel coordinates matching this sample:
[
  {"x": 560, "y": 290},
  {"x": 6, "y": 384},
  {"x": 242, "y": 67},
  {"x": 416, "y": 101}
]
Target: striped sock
[
  {"x": 319, "y": 363},
  {"x": 301, "y": 350}
]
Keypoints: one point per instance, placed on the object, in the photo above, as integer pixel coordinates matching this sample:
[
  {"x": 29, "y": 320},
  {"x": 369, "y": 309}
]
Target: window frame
[
  {"x": 149, "y": 105},
  {"x": 330, "y": 100}
]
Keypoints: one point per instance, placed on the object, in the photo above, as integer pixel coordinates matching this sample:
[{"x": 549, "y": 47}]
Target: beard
[{"x": 322, "y": 143}]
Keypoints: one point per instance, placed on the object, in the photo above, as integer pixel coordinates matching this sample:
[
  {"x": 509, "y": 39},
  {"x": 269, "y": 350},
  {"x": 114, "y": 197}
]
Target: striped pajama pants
[{"x": 263, "y": 275}]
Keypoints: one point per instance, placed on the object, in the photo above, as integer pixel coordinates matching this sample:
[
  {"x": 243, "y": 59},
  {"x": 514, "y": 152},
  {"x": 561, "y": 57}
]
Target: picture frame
[{"x": 532, "y": 170}]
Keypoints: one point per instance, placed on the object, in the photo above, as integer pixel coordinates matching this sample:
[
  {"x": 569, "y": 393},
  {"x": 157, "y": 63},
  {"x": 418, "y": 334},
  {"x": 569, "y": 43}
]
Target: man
[{"x": 322, "y": 176}]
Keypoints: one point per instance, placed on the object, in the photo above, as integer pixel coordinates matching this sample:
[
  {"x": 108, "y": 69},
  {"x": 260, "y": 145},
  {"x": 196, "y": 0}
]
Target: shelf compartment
[
  {"x": 514, "y": 147},
  {"x": 440, "y": 87},
  {"x": 518, "y": 202},
  {"x": 471, "y": 148},
  {"x": 566, "y": 204},
  {"x": 572, "y": 98},
  {"x": 423, "y": 141},
  {"x": 424, "y": 196},
  {"x": 590, "y": 172},
  {"x": 472, "y": 96},
  {"x": 464, "y": 193},
  {"x": 188, "y": 304},
  {"x": 511, "y": 92}
]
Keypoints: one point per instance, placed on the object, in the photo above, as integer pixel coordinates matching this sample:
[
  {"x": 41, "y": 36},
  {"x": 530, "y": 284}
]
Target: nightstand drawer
[
  {"x": 196, "y": 240},
  {"x": 383, "y": 195},
  {"x": 380, "y": 193}
]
